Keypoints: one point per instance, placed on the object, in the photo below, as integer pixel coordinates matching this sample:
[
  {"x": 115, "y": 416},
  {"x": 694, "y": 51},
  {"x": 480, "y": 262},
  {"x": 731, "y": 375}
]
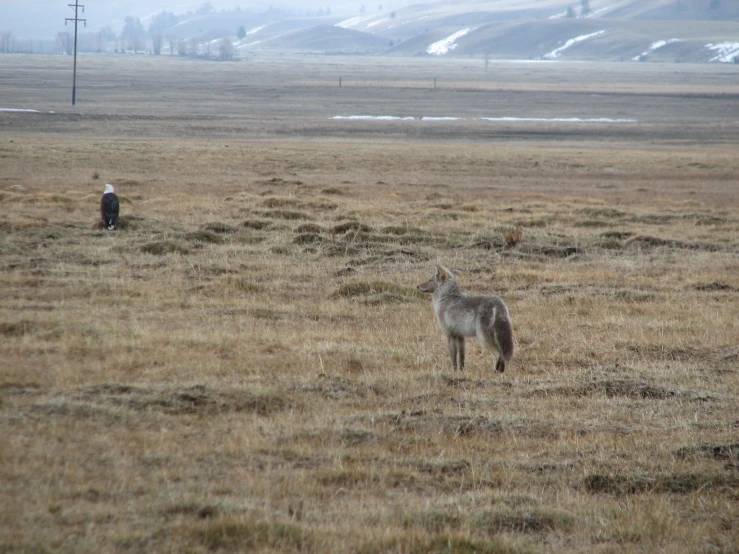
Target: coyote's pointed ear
[{"x": 442, "y": 272}]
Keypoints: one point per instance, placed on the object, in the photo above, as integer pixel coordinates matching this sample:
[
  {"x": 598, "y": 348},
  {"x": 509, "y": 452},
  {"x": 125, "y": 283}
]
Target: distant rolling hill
[
  {"x": 580, "y": 39},
  {"x": 611, "y": 30},
  {"x": 602, "y": 30},
  {"x": 676, "y": 10},
  {"x": 327, "y": 39}
]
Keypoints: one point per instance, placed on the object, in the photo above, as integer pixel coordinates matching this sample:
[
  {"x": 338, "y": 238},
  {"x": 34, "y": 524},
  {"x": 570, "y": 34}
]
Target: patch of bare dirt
[
  {"x": 646, "y": 242},
  {"x": 347, "y": 226},
  {"x": 20, "y": 389},
  {"x": 256, "y": 224},
  {"x": 715, "y": 286},
  {"x": 622, "y": 388},
  {"x": 309, "y": 228},
  {"x": 421, "y": 421},
  {"x": 722, "y": 452},
  {"x": 523, "y": 522},
  {"x": 334, "y": 387},
  {"x": 280, "y": 182},
  {"x": 160, "y": 248},
  {"x": 684, "y": 483},
  {"x": 626, "y": 295},
  {"x": 115, "y": 399}
]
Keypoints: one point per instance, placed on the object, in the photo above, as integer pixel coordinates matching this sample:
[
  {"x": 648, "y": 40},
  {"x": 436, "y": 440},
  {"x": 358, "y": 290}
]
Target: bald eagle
[{"x": 109, "y": 206}]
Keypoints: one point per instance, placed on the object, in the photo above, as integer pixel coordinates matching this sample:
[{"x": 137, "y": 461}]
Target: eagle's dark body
[{"x": 109, "y": 207}]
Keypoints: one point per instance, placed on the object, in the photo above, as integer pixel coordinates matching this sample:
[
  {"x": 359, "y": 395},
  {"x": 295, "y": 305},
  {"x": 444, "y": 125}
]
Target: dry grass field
[{"x": 246, "y": 366}]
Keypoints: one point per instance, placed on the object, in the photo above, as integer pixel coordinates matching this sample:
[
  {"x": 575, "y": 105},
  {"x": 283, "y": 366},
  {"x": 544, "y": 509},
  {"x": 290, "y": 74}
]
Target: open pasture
[
  {"x": 290, "y": 97},
  {"x": 246, "y": 365}
]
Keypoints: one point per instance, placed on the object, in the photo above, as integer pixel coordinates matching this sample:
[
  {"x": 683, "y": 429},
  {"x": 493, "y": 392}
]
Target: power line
[{"x": 76, "y": 6}]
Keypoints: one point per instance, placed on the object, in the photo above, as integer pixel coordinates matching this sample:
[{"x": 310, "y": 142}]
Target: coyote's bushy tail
[
  {"x": 504, "y": 338},
  {"x": 497, "y": 332}
]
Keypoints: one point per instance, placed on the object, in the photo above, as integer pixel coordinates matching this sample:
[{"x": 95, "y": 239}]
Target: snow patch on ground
[
  {"x": 374, "y": 117},
  {"x": 558, "y": 51},
  {"x": 725, "y": 51},
  {"x": 408, "y": 22},
  {"x": 18, "y": 110},
  {"x": 597, "y": 12},
  {"x": 255, "y": 30},
  {"x": 655, "y": 46},
  {"x": 378, "y": 22},
  {"x": 243, "y": 44},
  {"x": 443, "y": 46},
  {"x": 219, "y": 41},
  {"x": 563, "y": 15},
  {"x": 354, "y": 21}
]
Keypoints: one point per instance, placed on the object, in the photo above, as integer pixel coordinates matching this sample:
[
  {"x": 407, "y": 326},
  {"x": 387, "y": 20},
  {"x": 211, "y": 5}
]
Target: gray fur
[{"x": 460, "y": 316}]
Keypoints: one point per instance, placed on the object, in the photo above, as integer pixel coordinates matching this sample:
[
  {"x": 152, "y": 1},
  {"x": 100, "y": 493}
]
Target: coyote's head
[{"x": 441, "y": 276}]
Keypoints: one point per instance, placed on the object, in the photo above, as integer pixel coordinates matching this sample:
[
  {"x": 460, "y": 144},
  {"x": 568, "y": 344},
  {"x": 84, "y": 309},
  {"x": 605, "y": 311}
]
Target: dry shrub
[
  {"x": 678, "y": 483},
  {"x": 218, "y": 227},
  {"x": 280, "y": 202},
  {"x": 441, "y": 543},
  {"x": 237, "y": 534},
  {"x": 255, "y": 224},
  {"x": 206, "y": 236},
  {"x": 242, "y": 284},
  {"x": 524, "y": 522},
  {"x": 162, "y": 247},
  {"x": 402, "y": 230},
  {"x": 308, "y": 238},
  {"x": 290, "y": 215},
  {"x": 197, "y": 509},
  {"x": 514, "y": 237},
  {"x": 309, "y": 228},
  {"x": 364, "y": 288},
  {"x": 17, "y": 328},
  {"x": 343, "y": 228}
]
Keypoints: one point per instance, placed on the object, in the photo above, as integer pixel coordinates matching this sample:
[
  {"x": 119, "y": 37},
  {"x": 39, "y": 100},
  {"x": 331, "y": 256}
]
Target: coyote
[{"x": 460, "y": 316}]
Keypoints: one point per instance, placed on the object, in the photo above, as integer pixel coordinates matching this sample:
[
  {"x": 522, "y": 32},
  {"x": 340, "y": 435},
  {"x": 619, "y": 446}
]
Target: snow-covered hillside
[{"x": 551, "y": 30}]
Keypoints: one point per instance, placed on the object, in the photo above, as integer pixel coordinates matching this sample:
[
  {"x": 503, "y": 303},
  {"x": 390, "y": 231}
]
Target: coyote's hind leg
[{"x": 486, "y": 338}]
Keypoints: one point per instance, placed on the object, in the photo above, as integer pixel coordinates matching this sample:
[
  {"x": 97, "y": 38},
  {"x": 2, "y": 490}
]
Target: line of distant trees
[
  {"x": 584, "y": 9},
  {"x": 9, "y": 43},
  {"x": 160, "y": 36},
  {"x": 107, "y": 41},
  {"x": 62, "y": 43},
  {"x": 6, "y": 40}
]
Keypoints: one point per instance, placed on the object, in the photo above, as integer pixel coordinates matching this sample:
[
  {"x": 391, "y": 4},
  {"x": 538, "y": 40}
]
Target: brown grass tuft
[
  {"x": 205, "y": 236},
  {"x": 239, "y": 534},
  {"x": 160, "y": 248}
]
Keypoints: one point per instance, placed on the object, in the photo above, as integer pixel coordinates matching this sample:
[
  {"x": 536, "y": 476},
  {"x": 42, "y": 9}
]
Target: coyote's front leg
[{"x": 456, "y": 351}]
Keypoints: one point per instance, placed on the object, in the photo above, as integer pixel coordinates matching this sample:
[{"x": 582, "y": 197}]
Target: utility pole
[{"x": 76, "y": 6}]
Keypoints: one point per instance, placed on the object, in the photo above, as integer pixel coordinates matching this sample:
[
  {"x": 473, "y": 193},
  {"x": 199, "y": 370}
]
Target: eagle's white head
[{"x": 108, "y": 188}]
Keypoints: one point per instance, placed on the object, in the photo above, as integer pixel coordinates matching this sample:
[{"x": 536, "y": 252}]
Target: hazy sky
[{"x": 44, "y": 18}]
